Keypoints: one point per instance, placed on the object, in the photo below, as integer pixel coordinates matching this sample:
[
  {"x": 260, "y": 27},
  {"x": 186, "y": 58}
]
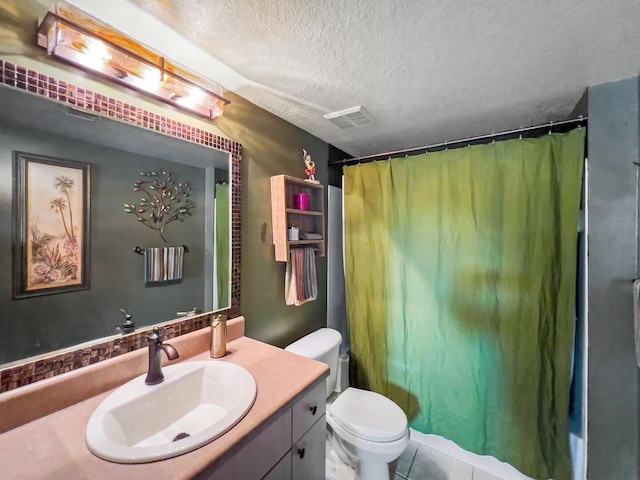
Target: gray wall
[
  {"x": 42, "y": 324},
  {"x": 612, "y": 205},
  {"x": 271, "y": 146}
]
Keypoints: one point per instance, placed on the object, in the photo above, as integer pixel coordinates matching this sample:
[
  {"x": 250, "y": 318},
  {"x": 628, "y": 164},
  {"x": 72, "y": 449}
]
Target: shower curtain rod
[{"x": 551, "y": 125}]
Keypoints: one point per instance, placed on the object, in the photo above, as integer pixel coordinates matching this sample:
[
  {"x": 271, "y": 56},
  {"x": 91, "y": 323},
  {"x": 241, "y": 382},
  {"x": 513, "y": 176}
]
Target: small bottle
[
  {"x": 293, "y": 233},
  {"x": 218, "y": 336}
]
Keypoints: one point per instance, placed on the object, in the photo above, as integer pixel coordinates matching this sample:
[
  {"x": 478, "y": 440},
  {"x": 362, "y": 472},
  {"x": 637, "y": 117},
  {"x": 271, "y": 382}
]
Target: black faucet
[
  {"x": 155, "y": 376},
  {"x": 128, "y": 326}
]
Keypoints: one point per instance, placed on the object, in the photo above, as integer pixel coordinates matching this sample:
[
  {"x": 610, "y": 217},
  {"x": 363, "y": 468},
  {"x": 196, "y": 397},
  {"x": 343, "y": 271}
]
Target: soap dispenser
[{"x": 218, "y": 336}]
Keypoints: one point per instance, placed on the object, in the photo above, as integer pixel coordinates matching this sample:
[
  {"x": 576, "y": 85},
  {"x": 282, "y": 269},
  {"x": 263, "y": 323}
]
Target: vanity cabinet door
[
  {"x": 258, "y": 456},
  {"x": 282, "y": 471},
  {"x": 308, "y": 454},
  {"x": 307, "y": 410}
]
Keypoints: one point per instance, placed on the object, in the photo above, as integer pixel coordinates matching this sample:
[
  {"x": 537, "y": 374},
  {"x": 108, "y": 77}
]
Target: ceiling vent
[{"x": 349, "y": 118}]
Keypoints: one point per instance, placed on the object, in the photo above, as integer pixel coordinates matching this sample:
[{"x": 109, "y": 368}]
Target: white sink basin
[{"x": 196, "y": 403}]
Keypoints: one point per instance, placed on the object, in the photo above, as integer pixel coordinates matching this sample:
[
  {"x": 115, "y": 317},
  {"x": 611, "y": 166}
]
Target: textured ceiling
[{"x": 426, "y": 70}]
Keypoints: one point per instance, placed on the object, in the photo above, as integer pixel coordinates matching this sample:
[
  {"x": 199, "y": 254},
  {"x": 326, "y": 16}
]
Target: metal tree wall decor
[{"x": 163, "y": 201}]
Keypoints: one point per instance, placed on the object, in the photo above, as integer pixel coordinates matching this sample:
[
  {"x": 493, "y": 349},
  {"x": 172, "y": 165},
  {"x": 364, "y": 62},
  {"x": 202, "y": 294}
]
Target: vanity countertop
[{"x": 54, "y": 446}]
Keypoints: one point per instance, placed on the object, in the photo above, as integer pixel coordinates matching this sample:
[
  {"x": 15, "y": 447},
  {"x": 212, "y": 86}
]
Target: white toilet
[{"x": 367, "y": 430}]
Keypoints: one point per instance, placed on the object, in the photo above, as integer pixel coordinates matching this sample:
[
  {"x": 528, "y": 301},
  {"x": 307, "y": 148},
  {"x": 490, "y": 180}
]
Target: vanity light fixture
[{"x": 74, "y": 36}]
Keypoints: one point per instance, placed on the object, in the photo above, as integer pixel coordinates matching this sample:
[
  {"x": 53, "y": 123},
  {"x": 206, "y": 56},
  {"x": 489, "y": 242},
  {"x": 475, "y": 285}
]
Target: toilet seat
[{"x": 368, "y": 416}]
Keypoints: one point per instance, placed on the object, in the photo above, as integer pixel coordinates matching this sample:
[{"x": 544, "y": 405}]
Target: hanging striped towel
[
  {"x": 163, "y": 264},
  {"x": 312, "y": 281},
  {"x": 290, "y": 282},
  {"x": 301, "y": 284},
  {"x": 636, "y": 318}
]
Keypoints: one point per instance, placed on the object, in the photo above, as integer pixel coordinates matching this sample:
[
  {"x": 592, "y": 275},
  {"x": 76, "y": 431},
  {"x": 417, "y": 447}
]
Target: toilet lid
[
  {"x": 316, "y": 344},
  {"x": 369, "y": 415}
]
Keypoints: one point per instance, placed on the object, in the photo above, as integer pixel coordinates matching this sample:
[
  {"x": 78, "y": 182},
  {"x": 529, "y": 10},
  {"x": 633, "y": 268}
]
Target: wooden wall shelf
[{"x": 284, "y": 214}]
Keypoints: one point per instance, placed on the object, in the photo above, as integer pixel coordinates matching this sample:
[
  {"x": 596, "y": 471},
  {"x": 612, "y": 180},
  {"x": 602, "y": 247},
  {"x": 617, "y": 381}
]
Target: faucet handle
[
  {"x": 157, "y": 335},
  {"x": 189, "y": 313}
]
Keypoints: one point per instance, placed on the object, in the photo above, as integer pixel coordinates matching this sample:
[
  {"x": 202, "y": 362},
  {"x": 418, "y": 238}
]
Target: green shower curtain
[
  {"x": 222, "y": 244},
  {"x": 461, "y": 279}
]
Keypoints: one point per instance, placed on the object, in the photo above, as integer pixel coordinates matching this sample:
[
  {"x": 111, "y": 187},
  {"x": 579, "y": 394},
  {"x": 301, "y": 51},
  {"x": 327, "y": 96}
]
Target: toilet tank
[{"x": 322, "y": 345}]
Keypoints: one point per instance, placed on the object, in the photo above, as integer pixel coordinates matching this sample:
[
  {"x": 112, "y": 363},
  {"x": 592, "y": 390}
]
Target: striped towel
[
  {"x": 636, "y": 318},
  {"x": 163, "y": 264},
  {"x": 301, "y": 284}
]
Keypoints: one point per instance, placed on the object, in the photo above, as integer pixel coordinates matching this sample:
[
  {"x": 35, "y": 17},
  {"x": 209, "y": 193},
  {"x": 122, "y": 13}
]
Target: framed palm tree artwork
[{"x": 50, "y": 225}]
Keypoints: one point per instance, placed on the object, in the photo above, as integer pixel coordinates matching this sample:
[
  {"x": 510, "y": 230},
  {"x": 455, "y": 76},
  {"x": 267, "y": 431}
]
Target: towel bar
[{"x": 140, "y": 251}]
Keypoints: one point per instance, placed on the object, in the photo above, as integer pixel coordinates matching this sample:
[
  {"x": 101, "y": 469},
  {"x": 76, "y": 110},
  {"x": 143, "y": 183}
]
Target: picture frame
[{"x": 50, "y": 225}]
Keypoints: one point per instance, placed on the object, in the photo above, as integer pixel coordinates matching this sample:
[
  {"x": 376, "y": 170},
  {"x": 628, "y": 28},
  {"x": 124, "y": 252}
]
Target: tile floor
[
  {"x": 422, "y": 462},
  {"x": 430, "y": 457}
]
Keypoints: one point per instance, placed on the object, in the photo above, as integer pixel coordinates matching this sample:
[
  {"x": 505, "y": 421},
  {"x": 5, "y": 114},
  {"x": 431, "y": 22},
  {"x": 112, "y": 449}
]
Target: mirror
[{"x": 116, "y": 153}]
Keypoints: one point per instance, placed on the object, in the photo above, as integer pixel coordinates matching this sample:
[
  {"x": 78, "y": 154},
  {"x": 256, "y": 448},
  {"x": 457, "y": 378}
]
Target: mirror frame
[{"x": 27, "y": 371}]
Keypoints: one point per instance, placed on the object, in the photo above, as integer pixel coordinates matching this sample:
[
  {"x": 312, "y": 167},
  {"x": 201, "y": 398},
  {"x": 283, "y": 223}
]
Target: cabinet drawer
[
  {"x": 308, "y": 453},
  {"x": 307, "y": 410}
]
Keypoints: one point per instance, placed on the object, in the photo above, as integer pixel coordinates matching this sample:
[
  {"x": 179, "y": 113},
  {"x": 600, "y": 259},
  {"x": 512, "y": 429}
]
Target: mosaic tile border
[
  {"x": 33, "y": 371},
  {"x": 57, "y": 90}
]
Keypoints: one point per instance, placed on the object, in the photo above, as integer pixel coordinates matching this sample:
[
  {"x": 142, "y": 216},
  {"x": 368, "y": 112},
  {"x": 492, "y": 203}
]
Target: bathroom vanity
[
  {"x": 281, "y": 437},
  {"x": 298, "y": 431}
]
